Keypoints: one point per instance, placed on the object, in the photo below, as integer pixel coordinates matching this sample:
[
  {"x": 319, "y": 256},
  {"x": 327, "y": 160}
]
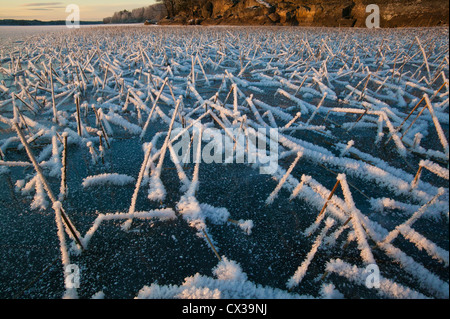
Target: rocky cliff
[{"x": 333, "y": 13}]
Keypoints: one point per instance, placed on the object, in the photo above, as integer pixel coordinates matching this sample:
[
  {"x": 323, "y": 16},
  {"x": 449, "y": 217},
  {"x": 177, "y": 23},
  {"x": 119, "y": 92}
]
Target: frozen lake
[{"x": 360, "y": 178}]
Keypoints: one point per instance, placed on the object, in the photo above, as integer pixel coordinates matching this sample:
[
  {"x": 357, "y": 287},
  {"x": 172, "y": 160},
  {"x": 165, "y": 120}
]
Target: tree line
[
  {"x": 153, "y": 13},
  {"x": 189, "y": 7},
  {"x": 160, "y": 10}
]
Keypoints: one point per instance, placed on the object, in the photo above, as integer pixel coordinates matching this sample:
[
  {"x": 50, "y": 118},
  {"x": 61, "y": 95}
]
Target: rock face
[{"x": 332, "y": 13}]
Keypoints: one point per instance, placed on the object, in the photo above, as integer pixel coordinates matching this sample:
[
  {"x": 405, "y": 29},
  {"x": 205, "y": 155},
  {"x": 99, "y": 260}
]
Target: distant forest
[
  {"x": 13, "y": 22},
  {"x": 152, "y": 13}
]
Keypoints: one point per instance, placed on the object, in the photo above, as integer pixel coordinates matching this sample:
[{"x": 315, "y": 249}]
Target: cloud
[
  {"x": 41, "y": 9},
  {"x": 43, "y": 4}
]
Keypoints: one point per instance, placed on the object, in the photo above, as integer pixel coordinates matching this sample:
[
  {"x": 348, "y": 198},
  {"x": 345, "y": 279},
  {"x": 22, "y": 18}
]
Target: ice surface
[{"x": 366, "y": 108}]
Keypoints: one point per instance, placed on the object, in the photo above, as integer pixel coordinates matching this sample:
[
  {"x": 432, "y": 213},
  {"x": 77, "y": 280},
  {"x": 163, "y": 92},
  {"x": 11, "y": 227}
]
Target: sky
[{"x": 90, "y": 10}]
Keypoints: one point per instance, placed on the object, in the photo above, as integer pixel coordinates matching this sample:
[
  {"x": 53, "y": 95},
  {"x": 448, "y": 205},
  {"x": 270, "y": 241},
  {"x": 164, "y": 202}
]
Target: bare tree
[
  {"x": 170, "y": 6},
  {"x": 188, "y": 6},
  {"x": 154, "y": 12},
  {"x": 138, "y": 14},
  {"x": 192, "y": 7}
]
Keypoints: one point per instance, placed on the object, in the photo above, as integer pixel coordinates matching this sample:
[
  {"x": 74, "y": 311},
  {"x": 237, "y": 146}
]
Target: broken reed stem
[
  {"x": 417, "y": 177},
  {"x": 144, "y": 129},
  {"x": 301, "y": 85},
  {"x": 365, "y": 86},
  {"x": 33, "y": 98},
  {"x": 64, "y": 170},
  {"x": 99, "y": 121},
  {"x": 101, "y": 148},
  {"x": 352, "y": 185},
  {"x": 78, "y": 76},
  {"x": 437, "y": 92},
  {"x": 22, "y": 119},
  {"x": 47, "y": 188},
  {"x": 395, "y": 63},
  {"x": 77, "y": 102},
  {"x": 328, "y": 199},
  {"x": 106, "y": 74},
  {"x": 132, "y": 207},
  {"x": 167, "y": 140},
  {"x": 414, "y": 121},
  {"x": 106, "y": 138},
  {"x": 437, "y": 125},
  {"x": 357, "y": 121},
  {"x": 55, "y": 115},
  {"x": 83, "y": 76},
  {"x": 404, "y": 121},
  {"x": 25, "y": 103},
  {"x": 424, "y": 58},
  {"x": 348, "y": 221},
  {"x": 171, "y": 92},
  {"x": 218, "y": 121},
  {"x": 212, "y": 246},
  {"x": 86, "y": 110},
  {"x": 325, "y": 274}
]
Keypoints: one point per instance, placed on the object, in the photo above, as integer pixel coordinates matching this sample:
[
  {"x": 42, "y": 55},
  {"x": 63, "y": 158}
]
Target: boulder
[{"x": 274, "y": 17}]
